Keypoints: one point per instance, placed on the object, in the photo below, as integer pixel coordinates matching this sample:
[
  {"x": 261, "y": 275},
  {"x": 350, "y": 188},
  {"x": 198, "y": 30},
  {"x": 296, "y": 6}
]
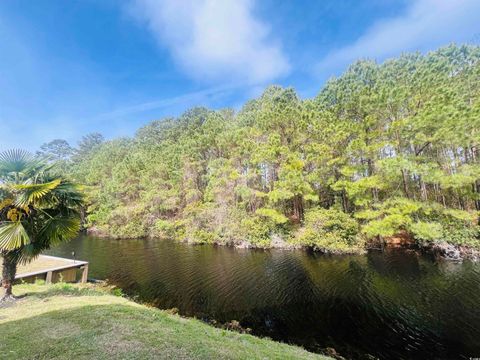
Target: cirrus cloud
[
  {"x": 426, "y": 25},
  {"x": 215, "y": 40}
]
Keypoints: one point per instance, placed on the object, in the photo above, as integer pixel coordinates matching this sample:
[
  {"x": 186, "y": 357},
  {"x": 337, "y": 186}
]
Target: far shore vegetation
[{"x": 384, "y": 149}]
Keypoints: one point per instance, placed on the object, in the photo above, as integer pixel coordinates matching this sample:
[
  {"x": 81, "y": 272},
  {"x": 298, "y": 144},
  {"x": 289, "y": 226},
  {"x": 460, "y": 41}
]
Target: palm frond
[
  {"x": 29, "y": 253},
  {"x": 13, "y": 236},
  {"x": 58, "y": 229},
  {"x": 66, "y": 198},
  {"x": 69, "y": 194},
  {"x": 24, "y": 255},
  {"x": 47, "y": 205},
  {"x": 17, "y": 165},
  {"x": 31, "y": 193},
  {"x": 14, "y": 160}
]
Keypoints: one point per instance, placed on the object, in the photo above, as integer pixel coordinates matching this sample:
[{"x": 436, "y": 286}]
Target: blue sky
[{"x": 72, "y": 67}]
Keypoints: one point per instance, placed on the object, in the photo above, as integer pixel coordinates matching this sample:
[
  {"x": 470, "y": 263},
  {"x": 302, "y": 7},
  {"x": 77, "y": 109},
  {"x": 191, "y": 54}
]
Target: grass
[{"x": 64, "y": 321}]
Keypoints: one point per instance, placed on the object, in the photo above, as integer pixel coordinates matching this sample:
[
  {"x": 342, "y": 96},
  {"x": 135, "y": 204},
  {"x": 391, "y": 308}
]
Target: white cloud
[
  {"x": 215, "y": 39},
  {"x": 426, "y": 25}
]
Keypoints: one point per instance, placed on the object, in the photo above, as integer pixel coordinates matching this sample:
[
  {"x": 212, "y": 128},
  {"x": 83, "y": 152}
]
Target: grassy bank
[{"x": 83, "y": 322}]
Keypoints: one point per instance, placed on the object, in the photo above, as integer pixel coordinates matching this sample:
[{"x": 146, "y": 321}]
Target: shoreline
[{"x": 438, "y": 250}]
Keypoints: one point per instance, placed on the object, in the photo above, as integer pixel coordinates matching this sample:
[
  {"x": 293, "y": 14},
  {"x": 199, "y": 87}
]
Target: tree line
[{"x": 383, "y": 149}]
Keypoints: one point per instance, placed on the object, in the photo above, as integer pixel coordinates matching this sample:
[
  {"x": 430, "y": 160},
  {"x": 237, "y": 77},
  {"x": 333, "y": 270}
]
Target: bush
[
  {"x": 330, "y": 230},
  {"x": 163, "y": 228},
  {"x": 127, "y": 223},
  {"x": 257, "y": 231},
  {"x": 386, "y": 226},
  {"x": 132, "y": 229},
  {"x": 201, "y": 236},
  {"x": 460, "y": 232},
  {"x": 198, "y": 223},
  {"x": 426, "y": 222},
  {"x": 272, "y": 215},
  {"x": 426, "y": 231}
]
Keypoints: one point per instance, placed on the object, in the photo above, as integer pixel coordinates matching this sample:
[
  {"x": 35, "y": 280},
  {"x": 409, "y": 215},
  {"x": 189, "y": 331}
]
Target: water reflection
[{"x": 390, "y": 305}]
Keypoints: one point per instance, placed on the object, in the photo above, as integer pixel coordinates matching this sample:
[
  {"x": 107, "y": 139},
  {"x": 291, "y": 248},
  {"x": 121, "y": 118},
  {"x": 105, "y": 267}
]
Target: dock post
[
  {"x": 84, "y": 274},
  {"x": 48, "y": 279}
]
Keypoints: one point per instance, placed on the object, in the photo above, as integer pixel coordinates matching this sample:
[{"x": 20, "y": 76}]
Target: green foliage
[
  {"x": 329, "y": 230},
  {"x": 201, "y": 236},
  {"x": 127, "y": 222},
  {"x": 38, "y": 209},
  {"x": 395, "y": 145},
  {"x": 272, "y": 215},
  {"x": 426, "y": 222},
  {"x": 257, "y": 231},
  {"x": 386, "y": 226},
  {"x": 427, "y": 231},
  {"x": 164, "y": 228},
  {"x": 460, "y": 228},
  {"x": 13, "y": 236}
]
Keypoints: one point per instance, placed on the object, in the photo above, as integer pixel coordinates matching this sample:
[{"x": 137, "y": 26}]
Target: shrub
[
  {"x": 272, "y": 215},
  {"x": 426, "y": 222},
  {"x": 330, "y": 230},
  {"x": 389, "y": 225},
  {"x": 163, "y": 228},
  {"x": 257, "y": 231},
  {"x": 459, "y": 231},
  {"x": 132, "y": 229},
  {"x": 127, "y": 223},
  {"x": 426, "y": 231}
]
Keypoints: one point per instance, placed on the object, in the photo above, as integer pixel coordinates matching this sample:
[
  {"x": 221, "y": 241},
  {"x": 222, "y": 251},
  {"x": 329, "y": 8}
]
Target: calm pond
[{"x": 395, "y": 304}]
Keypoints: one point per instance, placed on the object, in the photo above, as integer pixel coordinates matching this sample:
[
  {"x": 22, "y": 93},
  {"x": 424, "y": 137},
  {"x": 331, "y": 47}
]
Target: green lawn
[{"x": 84, "y": 322}]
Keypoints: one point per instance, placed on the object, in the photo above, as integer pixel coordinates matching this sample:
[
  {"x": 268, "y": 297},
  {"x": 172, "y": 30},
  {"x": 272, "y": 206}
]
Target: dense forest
[{"x": 383, "y": 149}]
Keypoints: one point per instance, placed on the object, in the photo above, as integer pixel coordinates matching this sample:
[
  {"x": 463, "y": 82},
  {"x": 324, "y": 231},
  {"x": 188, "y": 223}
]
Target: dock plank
[{"x": 44, "y": 264}]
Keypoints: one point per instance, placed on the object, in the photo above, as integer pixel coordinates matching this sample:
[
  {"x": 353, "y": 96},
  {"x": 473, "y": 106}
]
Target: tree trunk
[
  {"x": 344, "y": 201},
  {"x": 343, "y": 195},
  {"x": 371, "y": 171},
  {"x": 405, "y": 184},
  {"x": 476, "y": 190},
  {"x": 298, "y": 207},
  {"x": 9, "y": 271},
  {"x": 476, "y": 185},
  {"x": 423, "y": 189}
]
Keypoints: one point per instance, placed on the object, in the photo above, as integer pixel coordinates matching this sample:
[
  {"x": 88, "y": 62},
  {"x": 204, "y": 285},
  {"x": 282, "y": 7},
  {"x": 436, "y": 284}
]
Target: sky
[{"x": 68, "y": 68}]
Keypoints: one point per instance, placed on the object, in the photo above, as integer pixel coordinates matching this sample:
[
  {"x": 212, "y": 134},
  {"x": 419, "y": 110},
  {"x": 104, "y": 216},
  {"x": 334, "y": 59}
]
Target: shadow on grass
[
  {"x": 118, "y": 331},
  {"x": 88, "y": 331},
  {"x": 42, "y": 291}
]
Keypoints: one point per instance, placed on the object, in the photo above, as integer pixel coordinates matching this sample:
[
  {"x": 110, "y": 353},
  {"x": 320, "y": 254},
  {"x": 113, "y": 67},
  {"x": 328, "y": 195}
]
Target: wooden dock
[{"x": 53, "y": 269}]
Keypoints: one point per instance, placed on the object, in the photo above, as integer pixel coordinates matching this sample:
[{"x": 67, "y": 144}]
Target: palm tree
[{"x": 38, "y": 209}]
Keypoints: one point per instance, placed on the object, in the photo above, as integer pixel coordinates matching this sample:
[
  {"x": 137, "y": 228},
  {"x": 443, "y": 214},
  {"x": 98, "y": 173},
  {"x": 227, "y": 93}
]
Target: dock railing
[{"x": 48, "y": 266}]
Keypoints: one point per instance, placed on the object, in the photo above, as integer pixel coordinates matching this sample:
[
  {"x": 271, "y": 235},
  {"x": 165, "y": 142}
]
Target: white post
[
  {"x": 84, "y": 274},
  {"x": 48, "y": 279}
]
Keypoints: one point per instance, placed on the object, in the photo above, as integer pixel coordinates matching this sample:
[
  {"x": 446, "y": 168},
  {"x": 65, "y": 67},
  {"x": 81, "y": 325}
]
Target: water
[{"x": 390, "y": 305}]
